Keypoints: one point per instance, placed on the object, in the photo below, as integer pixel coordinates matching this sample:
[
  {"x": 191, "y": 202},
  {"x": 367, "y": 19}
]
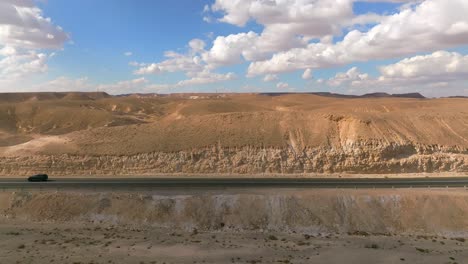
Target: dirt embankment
[{"x": 382, "y": 211}]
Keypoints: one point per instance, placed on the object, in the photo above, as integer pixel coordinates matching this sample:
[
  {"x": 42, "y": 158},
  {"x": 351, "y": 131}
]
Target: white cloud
[
  {"x": 352, "y": 77},
  {"x": 282, "y": 85},
  {"x": 208, "y": 19},
  {"x": 428, "y": 26},
  {"x": 231, "y": 49},
  {"x": 206, "y": 77},
  {"x": 439, "y": 73},
  {"x": 65, "y": 84},
  {"x": 124, "y": 87},
  {"x": 195, "y": 68},
  {"x": 18, "y": 64},
  {"x": 287, "y": 24},
  {"x": 128, "y": 53},
  {"x": 438, "y": 66},
  {"x": 307, "y": 74},
  {"x": 176, "y": 62},
  {"x": 299, "y": 35},
  {"x": 201, "y": 78},
  {"x": 197, "y": 45},
  {"x": 22, "y": 25},
  {"x": 7, "y": 51},
  {"x": 270, "y": 78},
  {"x": 23, "y": 31},
  {"x": 306, "y": 17}
]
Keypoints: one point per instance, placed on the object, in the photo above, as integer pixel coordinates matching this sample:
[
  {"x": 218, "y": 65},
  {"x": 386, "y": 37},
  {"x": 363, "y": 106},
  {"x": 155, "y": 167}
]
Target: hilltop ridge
[{"x": 41, "y": 96}]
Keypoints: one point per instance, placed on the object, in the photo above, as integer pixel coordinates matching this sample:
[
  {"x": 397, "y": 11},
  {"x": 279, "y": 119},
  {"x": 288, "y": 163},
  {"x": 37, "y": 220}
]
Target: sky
[{"x": 341, "y": 46}]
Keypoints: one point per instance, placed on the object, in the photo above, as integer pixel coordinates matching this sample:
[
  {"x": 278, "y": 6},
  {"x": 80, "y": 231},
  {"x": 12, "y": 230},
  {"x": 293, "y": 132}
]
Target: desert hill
[
  {"x": 78, "y": 133},
  {"x": 369, "y": 95}
]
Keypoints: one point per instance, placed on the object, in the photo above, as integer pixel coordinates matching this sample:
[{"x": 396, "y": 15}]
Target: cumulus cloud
[
  {"x": 197, "y": 45},
  {"x": 231, "y": 49},
  {"x": 23, "y": 25},
  {"x": 200, "y": 78},
  {"x": 287, "y": 24},
  {"x": 175, "y": 62},
  {"x": 65, "y": 84},
  {"x": 445, "y": 71},
  {"x": 309, "y": 17},
  {"x": 128, "y": 53},
  {"x": 7, "y": 51},
  {"x": 17, "y": 64},
  {"x": 282, "y": 85},
  {"x": 352, "y": 77},
  {"x": 270, "y": 78},
  {"x": 296, "y": 35},
  {"x": 307, "y": 74},
  {"x": 428, "y": 26},
  {"x": 438, "y": 66},
  {"x": 300, "y": 35},
  {"x": 124, "y": 87},
  {"x": 206, "y": 77},
  {"x": 195, "y": 68},
  {"x": 23, "y": 32}
]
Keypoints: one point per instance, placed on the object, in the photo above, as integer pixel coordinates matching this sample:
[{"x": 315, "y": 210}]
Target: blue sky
[
  {"x": 344, "y": 46},
  {"x": 103, "y": 31},
  {"x": 146, "y": 28}
]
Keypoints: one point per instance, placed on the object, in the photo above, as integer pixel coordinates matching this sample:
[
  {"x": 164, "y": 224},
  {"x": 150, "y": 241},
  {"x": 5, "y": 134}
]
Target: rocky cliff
[{"x": 370, "y": 157}]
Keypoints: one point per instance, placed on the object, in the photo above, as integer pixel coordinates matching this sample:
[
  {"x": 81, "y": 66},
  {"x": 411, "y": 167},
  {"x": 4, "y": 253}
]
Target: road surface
[{"x": 152, "y": 183}]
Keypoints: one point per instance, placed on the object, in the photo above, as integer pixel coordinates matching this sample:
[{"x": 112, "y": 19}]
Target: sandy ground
[
  {"x": 32, "y": 146},
  {"x": 71, "y": 243}
]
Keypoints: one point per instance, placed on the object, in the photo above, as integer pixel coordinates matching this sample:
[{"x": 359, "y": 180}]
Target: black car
[{"x": 38, "y": 178}]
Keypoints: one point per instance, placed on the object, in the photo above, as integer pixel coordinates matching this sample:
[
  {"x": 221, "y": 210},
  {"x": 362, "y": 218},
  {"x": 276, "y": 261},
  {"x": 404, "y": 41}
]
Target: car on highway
[{"x": 38, "y": 178}]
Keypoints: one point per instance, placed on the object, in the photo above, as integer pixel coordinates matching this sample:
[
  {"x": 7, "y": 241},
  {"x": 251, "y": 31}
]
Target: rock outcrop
[{"x": 362, "y": 157}]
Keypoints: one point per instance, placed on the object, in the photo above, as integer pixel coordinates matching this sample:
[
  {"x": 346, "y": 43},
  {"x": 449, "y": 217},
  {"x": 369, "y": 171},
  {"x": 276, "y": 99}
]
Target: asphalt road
[{"x": 155, "y": 183}]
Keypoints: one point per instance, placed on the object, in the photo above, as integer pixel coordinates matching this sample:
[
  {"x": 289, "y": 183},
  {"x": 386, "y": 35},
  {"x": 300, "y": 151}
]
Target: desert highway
[{"x": 161, "y": 183}]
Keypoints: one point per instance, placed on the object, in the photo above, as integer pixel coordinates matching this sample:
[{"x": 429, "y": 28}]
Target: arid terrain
[
  {"x": 234, "y": 226},
  {"x": 60, "y": 243},
  {"x": 77, "y": 134}
]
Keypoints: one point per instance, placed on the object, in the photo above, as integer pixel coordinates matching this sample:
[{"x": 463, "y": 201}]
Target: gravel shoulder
[{"x": 95, "y": 243}]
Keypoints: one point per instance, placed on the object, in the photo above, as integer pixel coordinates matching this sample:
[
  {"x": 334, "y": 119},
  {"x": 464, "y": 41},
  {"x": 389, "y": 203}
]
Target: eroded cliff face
[{"x": 356, "y": 157}]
